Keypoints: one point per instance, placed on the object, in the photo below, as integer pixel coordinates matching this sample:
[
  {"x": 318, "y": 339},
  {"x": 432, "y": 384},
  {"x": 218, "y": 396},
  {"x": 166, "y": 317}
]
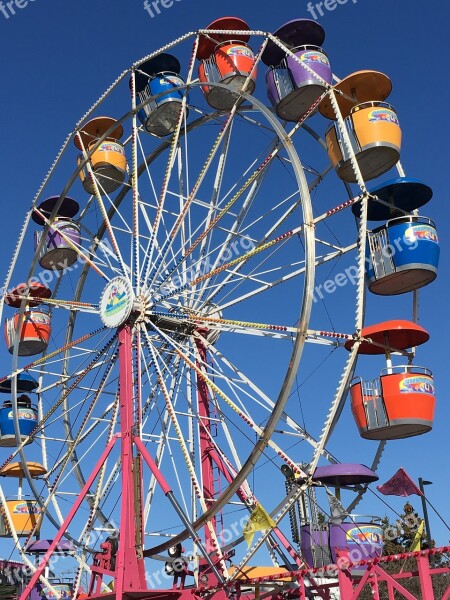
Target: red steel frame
[
  {"x": 350, "y": 588},
  {"x": 129, "y": 572},
  {"x": 205, "y": 440}
]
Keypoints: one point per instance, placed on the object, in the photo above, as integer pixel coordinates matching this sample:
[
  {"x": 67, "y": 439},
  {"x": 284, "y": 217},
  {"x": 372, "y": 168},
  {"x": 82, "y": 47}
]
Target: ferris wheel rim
[
  {"x": 304, "y": 316},
  {"x": 306, "y": 304}
]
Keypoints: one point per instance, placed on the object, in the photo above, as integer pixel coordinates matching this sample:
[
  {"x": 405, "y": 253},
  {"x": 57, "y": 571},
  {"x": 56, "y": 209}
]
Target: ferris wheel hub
[{"x": 116, "y": 302}]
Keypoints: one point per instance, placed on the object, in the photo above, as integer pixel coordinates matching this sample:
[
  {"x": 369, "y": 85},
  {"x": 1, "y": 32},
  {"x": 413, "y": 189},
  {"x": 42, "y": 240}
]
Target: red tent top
[
  {"x": 397, "y": 335},
  {"x": 38, "y": 291},
  {"x": 206, "y": 46}
]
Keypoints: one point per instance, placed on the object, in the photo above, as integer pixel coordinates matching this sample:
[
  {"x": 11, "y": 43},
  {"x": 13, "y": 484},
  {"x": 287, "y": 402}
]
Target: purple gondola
[
  {"x": 295, "y": 84},
  {"x": 62, "y": 238},
  {"x": 355, "y": 536}
]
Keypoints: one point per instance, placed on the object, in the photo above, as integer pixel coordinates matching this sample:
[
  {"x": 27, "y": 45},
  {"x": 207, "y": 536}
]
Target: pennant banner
[
  {"x": 399, "y": 484},
  {"x": 417, "y": 538},
  {"x": 258, "y": 520}
]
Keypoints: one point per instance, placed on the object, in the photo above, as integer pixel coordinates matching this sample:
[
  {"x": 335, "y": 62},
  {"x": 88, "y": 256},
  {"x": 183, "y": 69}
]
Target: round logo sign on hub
[{"x": 116, "y": 302}]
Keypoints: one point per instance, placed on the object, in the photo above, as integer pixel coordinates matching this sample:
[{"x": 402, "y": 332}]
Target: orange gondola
[
  {"x": 100, "y": 138},
  {"x": 401, "y": 402},
  {"x": 226, "y": 58},
  {"x": 371, "y": 125},
  {"x": 30, "y": 329}
]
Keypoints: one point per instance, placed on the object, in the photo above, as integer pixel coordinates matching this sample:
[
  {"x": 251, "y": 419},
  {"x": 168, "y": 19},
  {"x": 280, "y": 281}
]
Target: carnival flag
[
  {"x": 417, "y": 538},
  {"x": 258, "y": 520},
  {"x": 399, "y": 484}
]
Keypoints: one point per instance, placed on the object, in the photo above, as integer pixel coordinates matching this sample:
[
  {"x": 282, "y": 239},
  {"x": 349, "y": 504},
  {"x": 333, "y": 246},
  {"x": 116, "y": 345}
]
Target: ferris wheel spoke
[
  {"x": 68, "y": 466},
  {"x": 98, "y": 195},
  {"x": 242, "y": 326},
  {"x": 239, "y": 261},
  {"x": 166, "y": 425},
  {"x": 150, "y": 243},
  {"x": 149, "y": 268},
  {"x": 215, "y": 389},
  {"x": 203, "y": 231},
  {"x": 46, "y": 418},
  {"x": 61, "y": 472},
  {"x": 240, "y": 278},
  {"x": 71, "y": 305},
  {"x": 253, "y": 177},
  {"x": 61, "y": 463},
  {"x": 102, "y": 264},
  {"x": 176, "y": 425},
  {"x": 173, "y": 417},
  {"x": 189, "y": 200},
  {"x": 194, "y": 202},
  {"x": 135, "y": 255},
  {"x": 236, "y": 278},
  {"x": 264, "y": 243},
  {"x": 237, "y": 235},
  {"x": 45, "y": 358},
  {"x": 262, "y": 400},
  {"x": 205, "y": 246},
  {"x": 170, "y": 421},
  {"x": 152, "y": 248}
]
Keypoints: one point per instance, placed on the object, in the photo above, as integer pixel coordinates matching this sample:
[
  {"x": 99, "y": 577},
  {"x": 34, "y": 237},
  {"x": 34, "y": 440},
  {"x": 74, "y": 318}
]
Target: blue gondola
[
  {"x": 158, "y": 79},
  {"x": 27, "y": 416},
  {"x": 403, "y": 253}
]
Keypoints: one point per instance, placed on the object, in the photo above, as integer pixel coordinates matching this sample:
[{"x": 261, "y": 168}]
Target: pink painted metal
[
  {"x": 152, "y": 465},
  {"x": 205, "y": 439},
  {"x": 350, "y": 588},
  {"x": 62, "y": 530},
  {"x": 425, "y": 577},
  {"x": 130, "y": 571}
]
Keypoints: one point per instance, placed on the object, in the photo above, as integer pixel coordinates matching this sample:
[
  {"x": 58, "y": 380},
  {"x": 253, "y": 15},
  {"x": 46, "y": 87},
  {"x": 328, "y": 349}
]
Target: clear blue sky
[{"x": 59, "y": 56}]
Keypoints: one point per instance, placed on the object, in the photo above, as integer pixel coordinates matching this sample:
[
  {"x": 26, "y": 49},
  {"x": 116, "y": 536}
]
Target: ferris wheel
[{"x": 188, "y": 292}]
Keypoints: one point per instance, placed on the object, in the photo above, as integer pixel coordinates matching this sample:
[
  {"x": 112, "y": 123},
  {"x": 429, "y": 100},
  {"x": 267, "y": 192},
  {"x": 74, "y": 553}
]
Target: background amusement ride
[{"x": 155, "y": 440}]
